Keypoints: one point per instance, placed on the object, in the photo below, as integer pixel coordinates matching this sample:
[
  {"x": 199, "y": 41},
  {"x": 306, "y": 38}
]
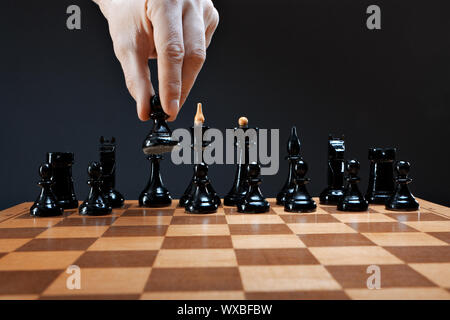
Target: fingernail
[{"x": 174, "y": 105}]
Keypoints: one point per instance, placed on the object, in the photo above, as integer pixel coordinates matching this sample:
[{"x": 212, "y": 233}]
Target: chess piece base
[
  {"x": 379, "y": 197},
  {"x": 155, "y": 200},
  {"x": 253, "y": 206},
  {"x": 305, "y": 205},
  {"x": 402, "y": 203},
  {"x": 37, "y": 210},
  {"x": 353, "y": 203},
  {"x": 99, "y": 209},
  {"x": 331, "y": 196},
  {"x": 202, "y": 207},
  {"x": 115, "y": 199}
]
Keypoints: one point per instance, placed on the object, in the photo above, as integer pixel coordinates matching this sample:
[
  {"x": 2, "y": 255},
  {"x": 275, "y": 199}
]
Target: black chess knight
[
  {"x": 160, "y": 139},
  {"x": 46, "y": 204},
  {"x": 402, "y": 199},
  {"x": 198, "y": 149},
  {"x": 300, "y": 200},
  {"x": 352, "y": 200},
  {"x": 381, "y": 178},
  {"x": 155, "y": 193},
  {"x": 61, "y": 163},
  {"x": 240, "y": 186},
  {"x": 253, "y": 201},
  {"x": 336, "y": 169},
  {"x": 95, "y": 204},
  {"x": 293, "y": 149},
  {"x": 202, "y": 199},
  {"x": 108, "y": 163}
]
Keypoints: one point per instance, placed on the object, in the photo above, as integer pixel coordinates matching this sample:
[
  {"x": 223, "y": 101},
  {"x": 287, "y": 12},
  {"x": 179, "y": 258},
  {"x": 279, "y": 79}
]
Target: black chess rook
[
  {"x": 61, "y": 163},
  {"x": 381, "y": 176}
]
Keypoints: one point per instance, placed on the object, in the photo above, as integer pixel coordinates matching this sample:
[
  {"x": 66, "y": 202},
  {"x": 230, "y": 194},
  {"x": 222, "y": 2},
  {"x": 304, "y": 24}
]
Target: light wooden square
[
  {"x": 429, "y": 226},
  {"x": 254, "y": 219},
  {"x": 439, "y": 273},
  {"x": 198, "y": 230},
  {"x": 365, "y": 255},
  {"x": 286, "y": 278},
  {"x": 126, "y": 243},
  {"x": 74, "y": 232},
  {"x": 39, "y": 260},
  {"x": 185, "y": 258},
  {"x": 424, "y": 293},
  {"x": 8, "y": 245},
  {"x": 143, "y": 221},
  {"x": 362, "y": 217},
  {"x": 266, "y": 241},
  {"x": 315, "y": 228},
  {"x": 404, "y": 239}
]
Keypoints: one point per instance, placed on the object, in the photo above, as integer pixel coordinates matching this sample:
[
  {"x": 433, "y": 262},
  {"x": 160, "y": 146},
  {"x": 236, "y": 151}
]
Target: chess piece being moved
[
  {"x": 198, "y": 148},
  {"x": 336, "y": 169},
  {"x": 402, "y": 199},
  {"x": 381, "y": 178},
  {"x": 254, "y": 201},
  {"x": 293, "y": 149},
  {"x": 46, "y": 204},
  {"x": 159, "y": 140},
  {"x": 240, "y": 187},
  {"x": 202, "y": 199},
  {"x": 61, "y": 163},
  {"x": 95, "y": 204},
  {"x": 300, "y": 200},
  {"x": 108, "y": 163},
  {"x": 155, "y": 193},
  {"x": 353, "y": 200}
]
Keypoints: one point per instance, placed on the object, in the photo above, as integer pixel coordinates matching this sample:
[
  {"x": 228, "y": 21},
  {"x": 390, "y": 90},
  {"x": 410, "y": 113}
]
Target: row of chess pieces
[{"x": 57, "y": 192}]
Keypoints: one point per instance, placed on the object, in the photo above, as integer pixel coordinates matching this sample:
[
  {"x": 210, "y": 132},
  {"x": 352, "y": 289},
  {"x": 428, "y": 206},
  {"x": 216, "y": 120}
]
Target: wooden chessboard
[{"x": 167, "y": 254}]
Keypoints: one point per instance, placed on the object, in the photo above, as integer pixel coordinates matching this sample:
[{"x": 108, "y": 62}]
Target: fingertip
[
  {"x": 172, "y": 109},
  {"x": 143, "y": 110}
]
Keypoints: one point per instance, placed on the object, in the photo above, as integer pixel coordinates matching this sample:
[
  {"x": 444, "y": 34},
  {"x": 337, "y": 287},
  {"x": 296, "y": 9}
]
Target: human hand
[{"x": 175, "y": 32}]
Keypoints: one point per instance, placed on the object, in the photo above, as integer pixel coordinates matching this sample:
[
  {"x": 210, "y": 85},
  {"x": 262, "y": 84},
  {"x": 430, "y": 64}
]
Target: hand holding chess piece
[
  {"x": 402, "y": 199},
  {"x": 46, "y": 204},
  {"x": 95, "y": 204}
]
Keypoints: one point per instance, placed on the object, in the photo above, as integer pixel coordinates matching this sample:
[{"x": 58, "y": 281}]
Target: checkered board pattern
[{"x": 141, "y": 253}]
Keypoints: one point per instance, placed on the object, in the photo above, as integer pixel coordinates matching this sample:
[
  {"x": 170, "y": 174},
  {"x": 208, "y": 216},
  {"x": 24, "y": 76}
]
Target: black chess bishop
[
  {"x": 108, "y": 163},
  {"x": 253, "y": 201},
  {"x": 240, "y": 186},
  {"x": 402, "y": 198},
  {"x": 293, "y": 149},
  {"x": 202, "y": 199},
  {"x": 46, "y": 204},
  {"x": 96, "y": 204},
  {"x": 198, "y": 148},
  {"x": 61, "y": 164},
  {"x": 381, "y": 176},
  {"x": 155, "y": 194},
  {"x": 352, "y": 200},
  {"x": 300, "y": 200},
  {"x": 336, "y": 171}
]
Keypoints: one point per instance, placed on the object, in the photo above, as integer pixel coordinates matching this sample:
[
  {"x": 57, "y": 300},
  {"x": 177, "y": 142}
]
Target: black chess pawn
[
  {"x": 95, "y": 204},
  {"x": 160, "y": 139},
  {"x": 155, "y": 193},
  {"x": 46, "y": 204},
  {"x": 240, "y": 186},
  {"x": 336, "y": 170},
  {"x": 293, "y": 148},
  {"x": 300, "y": 200},
  {"x": 381, "y": 177},
  {"x": 402, "y": 199},
  {"x": 108, "y": 163},
  {"x": 254, "y": 201},
  {"x": 201, "y": 199},
  {"x": 61, "y": 163},
  {"x": 353, "y": 200}
]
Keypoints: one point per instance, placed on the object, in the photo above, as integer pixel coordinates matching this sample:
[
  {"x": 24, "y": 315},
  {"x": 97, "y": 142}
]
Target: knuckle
[
  {"x": 174, "y": 51},
  {"x": 196, "y": 56}
]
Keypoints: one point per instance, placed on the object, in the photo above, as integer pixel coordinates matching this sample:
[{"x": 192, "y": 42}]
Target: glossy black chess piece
[
  {"x": 95, "y": 204},
  {"x": 300, "y": 200},
  {"x": 160, "y": 139},
  {"x": 293, "y": 149},
  {"x": 46, "y": 204},
  {"x": 61, "y": 163},
  {"x": 381, "y": 177},
  {"x": 240, "y": 186},
  {"x": 353, "y": 200},
  {"x": 108, "y": 163},
  {"x": 201, "y": 199},
  {"x": 254, "y": 201},
  {"x": 155, "y": 193},
  {"x": 402, "y": 198},
  {"x": 336, "y": 170},
  {"x": 198, "y": 148}
]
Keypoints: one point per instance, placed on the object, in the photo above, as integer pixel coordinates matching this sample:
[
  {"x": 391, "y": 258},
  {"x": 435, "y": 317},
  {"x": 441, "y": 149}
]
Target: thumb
[{"x": 137, "y": 78}]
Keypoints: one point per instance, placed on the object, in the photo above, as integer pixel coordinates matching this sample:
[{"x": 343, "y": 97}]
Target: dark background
[{"x": 309, "y": 63}]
